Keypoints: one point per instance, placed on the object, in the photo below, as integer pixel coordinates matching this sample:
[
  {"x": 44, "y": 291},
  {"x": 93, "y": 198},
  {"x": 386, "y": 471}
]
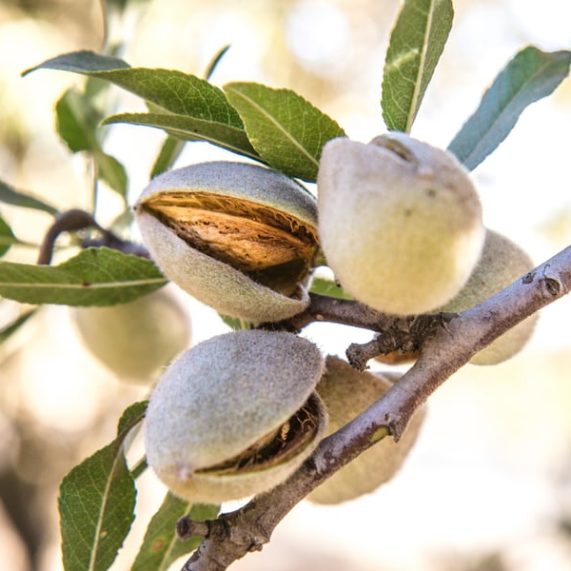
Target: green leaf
[
  {"x": 77, "y": 124},
  {"x": 77, "y": 121},
  {"x": 235, "y": 323},
  {"x": 97, "y": 502},
  {"x": 168, "y": 155},
  {"x": 192, "y": 129},
  {"x": 211, "y": 68},
  {"x": 81, "y": 62},
  {"x": 10, "y": 195},
  {"x": 328, "y": 288},
  {"x": 416, "y": 43},
  {"x": 161, "y": 546},
  {"x": 528, "y": 77},
  {"x": 7, "y": 237},
  {"x": 287, "y": 131},
  {"x": 9, "y": 330},
  {"x": 96, "y": 276},
  {"x": 113, "y": 173},
  {"x": 172, "y": 90}
]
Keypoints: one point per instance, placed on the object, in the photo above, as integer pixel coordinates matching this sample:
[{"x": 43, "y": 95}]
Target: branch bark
[
  {"x": 400, "y": 339},
  {"x": 233, "y": 535},
  {"x": 75, "y": 220}
]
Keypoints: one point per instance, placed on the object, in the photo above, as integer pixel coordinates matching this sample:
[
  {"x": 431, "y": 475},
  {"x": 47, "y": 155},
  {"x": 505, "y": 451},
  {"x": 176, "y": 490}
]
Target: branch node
[
  {"x": 256, "y": 545},
  {"x": 553, "y": 286},
  {"x": 186, "y": 528},
  {"x": 395, "y": 425},
  {"x": 358, "y": 355}
]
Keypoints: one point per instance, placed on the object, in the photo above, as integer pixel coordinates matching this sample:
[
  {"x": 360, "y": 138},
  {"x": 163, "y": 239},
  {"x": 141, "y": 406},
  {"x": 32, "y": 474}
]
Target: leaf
[
  {"x": 7, "y": 237},
  {"x": 161, "y": 546},
  {"x": 96, "y": 276},
  {"x": 287, "y": 131},
  {"x": 192, "y": 129},
  {"x": 112, "y": 172},
  {"x": 416, "y": 43},
  {"x": 9, "y": 330},
  {"x": 77, "y": 121},
  {"x": 172, "y": 90},
  {"x": 168, "y": 155},
  {"x": 97, "y": 501},
  {"x": 528, "y": 77},
  {"x": 83, "y": 61},
  {"x": 328, "y": 288},
  {"x": 10, "y": 195},
  {"x": 211, "y": 68},
  {"x": 235, "y": 323}
]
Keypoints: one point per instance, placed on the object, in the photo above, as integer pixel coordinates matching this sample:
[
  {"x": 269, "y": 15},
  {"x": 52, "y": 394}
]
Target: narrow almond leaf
[
  {"x": 286, "y": 130},
  {"x": 168, "y": 155},
  {"x": 7, "y": 237},
  {"x": 416, "y": 43},
  {"x": 9, "y": 195},
  {"x": 161, "y": 547},
  {"x": 97, "y": 502},
  {"x": 172, "y": 90},
  {"x": 96, "y": 276},
  {"x": 8, "y": 330},
  {"x": 173, "y": 147},
  {"x": 211, "y": 68},
  {"x": 83, "y": 61},
  {"x": 77, "y": 121},
  {"x": 328, "y": 288},
  {"x": 77, "y": 124},
  {"x": 528, "y": 77},
  {"x": 113, "y": 173},
  {"x": 192, "y": 129}
]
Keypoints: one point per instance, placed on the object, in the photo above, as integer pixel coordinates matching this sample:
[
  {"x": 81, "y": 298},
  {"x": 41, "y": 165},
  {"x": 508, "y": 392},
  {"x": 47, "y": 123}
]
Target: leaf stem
[{"x": 139, "y": 468}]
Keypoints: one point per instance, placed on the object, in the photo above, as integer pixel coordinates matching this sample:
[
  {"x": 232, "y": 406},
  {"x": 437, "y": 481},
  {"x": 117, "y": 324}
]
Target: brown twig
[
  {"x": 69, "y": 221},
  {"x": 235, "y": 534},
  {"x": 403, "y": 334},
  {"x": 345, "y": 312},
  {"x": 75, "y": 220}
]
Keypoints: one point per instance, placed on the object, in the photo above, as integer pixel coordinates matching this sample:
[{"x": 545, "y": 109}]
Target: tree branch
[
  {"x": 234, "y": 534},
  {"x": 75, "y": 220},
  {"x": 399, "y": 338}
]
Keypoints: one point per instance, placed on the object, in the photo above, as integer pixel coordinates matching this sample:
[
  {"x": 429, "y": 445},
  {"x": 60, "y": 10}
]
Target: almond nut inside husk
[
  {"x": 272, "y": 247},
  {"x": 277, "y": 447},
  {"x": 235, "y": 415}
]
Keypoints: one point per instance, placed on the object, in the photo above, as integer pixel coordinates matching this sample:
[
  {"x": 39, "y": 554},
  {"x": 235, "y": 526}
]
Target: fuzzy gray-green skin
[
  {"x": 400, "y": 222},
  {"x": 501, "y": 263},
  {"x": 347, "y": 393},
  {"x": 135, "y": 340},
  {"x": 218, "y": 399},
  {"x": 215, "y": 283},
  {"x": 239, "y": 180}
]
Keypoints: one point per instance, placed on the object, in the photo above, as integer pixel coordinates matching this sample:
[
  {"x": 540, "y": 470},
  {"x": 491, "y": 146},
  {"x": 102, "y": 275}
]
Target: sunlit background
[{"x": 488, "y": 486}]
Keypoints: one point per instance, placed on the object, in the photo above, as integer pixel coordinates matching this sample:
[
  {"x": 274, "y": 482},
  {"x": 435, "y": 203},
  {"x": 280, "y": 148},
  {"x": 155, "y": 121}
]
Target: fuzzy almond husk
[
  {"x": 500, "y": 264},
  {"x": 238, "y": 237},
  {"x": 135, "y": 340},
  {"x": 347, "y": 393},
  {"x": 400, "y": 222},
  {"x": 219, "y": 400}
]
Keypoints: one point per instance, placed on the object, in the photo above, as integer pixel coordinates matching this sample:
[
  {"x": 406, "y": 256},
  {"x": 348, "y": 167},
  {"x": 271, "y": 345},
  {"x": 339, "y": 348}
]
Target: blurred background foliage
[{"x": 488, "y": 487}]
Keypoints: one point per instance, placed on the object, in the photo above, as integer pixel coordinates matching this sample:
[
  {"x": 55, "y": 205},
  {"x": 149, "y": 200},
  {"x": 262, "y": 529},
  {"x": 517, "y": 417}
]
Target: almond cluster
[{"x": 399, "y": 223}]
